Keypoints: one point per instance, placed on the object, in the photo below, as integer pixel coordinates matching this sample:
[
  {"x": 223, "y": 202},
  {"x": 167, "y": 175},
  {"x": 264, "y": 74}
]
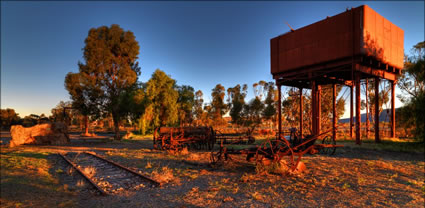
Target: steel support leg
[
  {"x": 334, "y": 112},
  {"x": 313, "y": 108},
  {"x": 301, "y": 112},
  {"x": 319, "y": 108},
  {"x": 367, "y": 109},
  {"x": 392, "y": 109},
  {"x": 279, "y": 111},
  {"x": 377, "y": 139},
  {"x": 358, "y": 116},
  {"x": 351, "y": 111}
]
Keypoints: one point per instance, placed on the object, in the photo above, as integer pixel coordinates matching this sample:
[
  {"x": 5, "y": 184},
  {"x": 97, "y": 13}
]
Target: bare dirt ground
[{"x": 35, "y": 176}]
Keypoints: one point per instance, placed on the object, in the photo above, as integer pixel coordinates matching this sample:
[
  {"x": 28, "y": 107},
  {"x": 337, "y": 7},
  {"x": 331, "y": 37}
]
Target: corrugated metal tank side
[
  {"x": 274, "y": 61},
  {"x": 382, "y": 39},
  {"x": 326, "y": 40},
  {"x": 360, "y": 31}
]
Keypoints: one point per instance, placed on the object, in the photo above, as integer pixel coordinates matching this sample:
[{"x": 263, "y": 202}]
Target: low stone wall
[{"x": 48, "y": 133}]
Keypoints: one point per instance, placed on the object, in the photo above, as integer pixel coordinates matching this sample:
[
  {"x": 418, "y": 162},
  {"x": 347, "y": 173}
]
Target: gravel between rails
[{"x": 112, "y": 179}]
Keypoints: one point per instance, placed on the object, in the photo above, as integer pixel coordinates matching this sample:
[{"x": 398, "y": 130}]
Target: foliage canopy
[{"x": 108, "y": 75}]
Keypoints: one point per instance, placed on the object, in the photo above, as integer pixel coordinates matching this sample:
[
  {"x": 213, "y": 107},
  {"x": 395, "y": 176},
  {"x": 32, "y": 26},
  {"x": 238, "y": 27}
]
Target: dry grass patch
[
  {"x": 25, "y": 172},
  {"x": 89, "y": 171},
  {"x": 164, "y": 175}
]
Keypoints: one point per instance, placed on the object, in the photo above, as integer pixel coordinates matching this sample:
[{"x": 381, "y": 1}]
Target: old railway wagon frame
[
  {"x": 199, "y": 138},
  {"x": 177, "y": 138}
]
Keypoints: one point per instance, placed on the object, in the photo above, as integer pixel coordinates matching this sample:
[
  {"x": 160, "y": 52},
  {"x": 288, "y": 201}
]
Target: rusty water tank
[{"x": 357, "y": 32}]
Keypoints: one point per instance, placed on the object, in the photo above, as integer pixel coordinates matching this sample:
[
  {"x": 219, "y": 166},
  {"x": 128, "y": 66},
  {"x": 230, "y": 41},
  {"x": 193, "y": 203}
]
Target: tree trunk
[
  {"x": 117, "y": 128},
  {"x": 86, "y": 125}
]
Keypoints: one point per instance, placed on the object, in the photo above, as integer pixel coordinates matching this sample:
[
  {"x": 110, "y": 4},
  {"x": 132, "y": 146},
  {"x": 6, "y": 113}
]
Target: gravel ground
[{"x": 353, "y": 177}]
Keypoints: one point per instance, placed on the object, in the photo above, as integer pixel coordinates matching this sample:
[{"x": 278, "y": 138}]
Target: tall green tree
[
  {"x": 61, "y": 113},
  {"x": 260, "y": 89},
  {"x": 412, "y": 84},
  {"x": 290, "y": 107},
  {"x": 207, "y": 116},
  {"x": 186, "y": 102},
  {"x": 110, "y": 71},
  {"x": 252, "y": 114},
  {"x": 9, "y": 117},
  {"x": 138, "y": 104},
  {"x": 198, "y": 106},
  {"x": 161, "y": 108},
  {"x": 218, "y": 107},
  {"x": 30, "y": 120},
  {"x": 236, "y": 101},
  {"x": 87, "y": 98},
  {"x": 270, "y": 103}
]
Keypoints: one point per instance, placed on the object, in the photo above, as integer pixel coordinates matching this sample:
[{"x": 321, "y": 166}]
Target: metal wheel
[
  {"x": 251, "y": 140},
  {"x": 328, "y": 150},
  {"x": 218, "y": 157},
  {"x": 270, "y": 153}
]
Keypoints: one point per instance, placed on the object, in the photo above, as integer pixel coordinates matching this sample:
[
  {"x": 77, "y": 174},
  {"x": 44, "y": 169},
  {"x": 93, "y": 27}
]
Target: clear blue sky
[{"x": 198, "y": 43}]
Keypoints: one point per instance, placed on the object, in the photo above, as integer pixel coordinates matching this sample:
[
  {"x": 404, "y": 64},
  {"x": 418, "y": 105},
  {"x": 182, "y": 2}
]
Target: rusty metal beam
[
  {"x": 358, "y": 116},
  {"x": 393, "y": 109},
  {"x": 377, "y": 139},
  {"x": 329, "y": 75},
  {"x": 376, "y": 72},
  {"x": 293, "y": 83},
  {"x": 323, "y": 66},
  {"x": 304, "y": 82},
  {"x": 301, "y": 112},
  {"x": 334, "y": 112}
]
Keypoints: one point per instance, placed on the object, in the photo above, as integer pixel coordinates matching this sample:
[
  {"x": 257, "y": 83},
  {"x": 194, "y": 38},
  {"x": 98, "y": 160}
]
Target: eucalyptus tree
[
  {"x": 252, "y": 114},
  {"x": 162, "y": 96},
  {"x": 412, "y": 84},
  {"x": 86, "y": 99},
  {"x": 108, "y": 74},
  {"x": 219, "y": 108},
  {"x": 8, "y": 118},
  {"x": 185, "y": 102},
  {"x": 198, "y": 106},
  {"x": 236, "y": 101},
  {"x": 270, "y": 101}
]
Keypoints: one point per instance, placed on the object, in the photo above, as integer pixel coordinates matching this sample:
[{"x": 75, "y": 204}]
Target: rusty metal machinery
[
  {"x": 280, "y": 149},
  {"x": 177, "y": 138},
  {"x": 233, "y": 138}
]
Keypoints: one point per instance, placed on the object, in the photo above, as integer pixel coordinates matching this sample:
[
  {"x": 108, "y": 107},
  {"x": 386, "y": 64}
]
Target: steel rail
[
  {"x": 125, "y": 168},
  {"x": 84, "y": 175}
]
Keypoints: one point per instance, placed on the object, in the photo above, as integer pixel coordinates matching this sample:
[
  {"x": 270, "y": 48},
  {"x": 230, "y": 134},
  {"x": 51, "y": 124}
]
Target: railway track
[{"x": 106, "y": 176}]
